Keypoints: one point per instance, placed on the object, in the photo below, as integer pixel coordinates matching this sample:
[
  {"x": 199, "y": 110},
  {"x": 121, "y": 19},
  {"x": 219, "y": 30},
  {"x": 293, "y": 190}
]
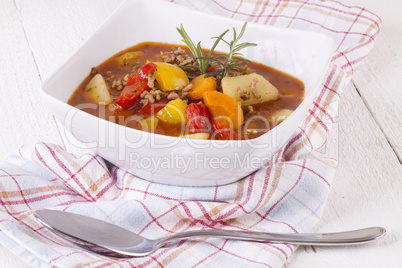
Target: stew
[{"x": 156, "y": 87}]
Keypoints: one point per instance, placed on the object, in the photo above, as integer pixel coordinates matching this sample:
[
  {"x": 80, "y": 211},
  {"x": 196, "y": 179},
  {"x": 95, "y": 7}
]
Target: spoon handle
[{"x": 320, "y": 239}]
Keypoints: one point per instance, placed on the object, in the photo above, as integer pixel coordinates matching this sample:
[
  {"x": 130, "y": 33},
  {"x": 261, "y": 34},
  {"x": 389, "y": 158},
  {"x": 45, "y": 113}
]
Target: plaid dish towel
[{"x": 288, "y": 195}]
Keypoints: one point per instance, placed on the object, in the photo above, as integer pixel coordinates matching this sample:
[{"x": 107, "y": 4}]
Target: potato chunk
[
  {"x": 249, "y": 89},
  {"x": 98, "y": 90},
  {"x": 197, "y": 136}
]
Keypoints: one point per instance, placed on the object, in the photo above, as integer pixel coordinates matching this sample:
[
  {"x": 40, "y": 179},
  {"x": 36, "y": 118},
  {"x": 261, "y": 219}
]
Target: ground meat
[
  {"x": 156, "y": 95},
  {"x": 117, "y": 84},
  {"x": 152, "y": 96},
  {"x": 146, "y": 98},
  {"x": 250, "y": 110},
  {"x": 241, "y": 69},
  {"x": 183, "y": 93},
  {"x": 188, "y": 88},
  {"x": 173, "y": 95},
  {"x": 177, "y": 57},
  {"x": 179, "y": 51},
  {"x": 253, "y": 86},
  {"x": 151, "y": 81},
  {"x": 168, "y": 57},
  {"x": 244, "y": 94},
  {"x": 184, "y": 60}
]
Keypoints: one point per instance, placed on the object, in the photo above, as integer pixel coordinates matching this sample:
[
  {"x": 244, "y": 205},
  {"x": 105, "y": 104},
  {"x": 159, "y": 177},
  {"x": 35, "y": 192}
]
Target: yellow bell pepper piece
[
  {"x": 170, "y": 77},
  {"x": 174, "y": 112},
  {"x": 149, "y": 124},
  {"x": 129, "y": 56}
]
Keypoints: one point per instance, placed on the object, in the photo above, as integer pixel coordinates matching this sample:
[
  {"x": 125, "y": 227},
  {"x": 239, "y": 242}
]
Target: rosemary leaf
[
  {"x": 231, "y": 66},
  {"x": 212, "y": 74},
  {"x": 243, "y": 29},
  {"x": 187, "y": 40},
  {"x": 225, "y": 61},
  {"x": 218, "y": 39},
  {"x": 203, "y": 65}
]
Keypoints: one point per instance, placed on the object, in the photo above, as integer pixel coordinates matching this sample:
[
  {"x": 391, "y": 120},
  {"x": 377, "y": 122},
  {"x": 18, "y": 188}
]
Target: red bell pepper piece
[
  {"x": 131, "y": 94},
  {"x": 131, "y": 79},
  {"x": 199, "y": 118},
  {"x": 211, "y": 69},
  {"x": 136, "y": 84},
  {"x": 153, "y": 108},
  {"x": 225, "y": 133},
  {"x": 146, "y": 70}
]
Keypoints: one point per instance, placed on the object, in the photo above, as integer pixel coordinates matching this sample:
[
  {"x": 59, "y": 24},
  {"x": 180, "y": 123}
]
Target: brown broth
[{"x": 291, "y": 92}]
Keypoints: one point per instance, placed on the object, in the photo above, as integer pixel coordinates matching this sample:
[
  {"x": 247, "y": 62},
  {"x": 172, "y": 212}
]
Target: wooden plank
[
  {"x": 64, "y": 27},
  {"x": 366, "y": 190},
  {"x": 61, "y": 33},
  {"x": 379, "y": 79},
  {"x": 365, "y": 193},
  {"x": 24, "y": 118}
]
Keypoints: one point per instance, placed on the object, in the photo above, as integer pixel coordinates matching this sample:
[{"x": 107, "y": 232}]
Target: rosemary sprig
[
  {"x": 224, "y": 61},
  {"x": 234, "y": 48},
  {"x": 198, "y": 52}
]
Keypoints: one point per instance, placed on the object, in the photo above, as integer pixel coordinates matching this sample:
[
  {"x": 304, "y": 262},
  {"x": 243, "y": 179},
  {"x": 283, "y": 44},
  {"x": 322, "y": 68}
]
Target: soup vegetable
[{"x": 189, "y": 91}]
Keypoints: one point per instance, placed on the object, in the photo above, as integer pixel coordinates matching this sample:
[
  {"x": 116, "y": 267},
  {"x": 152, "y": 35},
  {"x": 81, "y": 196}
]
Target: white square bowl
[{"x": 178, "y": 161}]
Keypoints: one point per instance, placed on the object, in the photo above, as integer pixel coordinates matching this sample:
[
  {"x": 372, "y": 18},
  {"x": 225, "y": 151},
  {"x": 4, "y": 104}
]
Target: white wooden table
[{"x": 34, "y": 40}]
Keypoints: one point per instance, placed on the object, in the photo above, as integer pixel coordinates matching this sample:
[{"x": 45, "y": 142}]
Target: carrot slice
[
  {"x": 200, "y": 84},
  {"x": 224, "y": 108}
]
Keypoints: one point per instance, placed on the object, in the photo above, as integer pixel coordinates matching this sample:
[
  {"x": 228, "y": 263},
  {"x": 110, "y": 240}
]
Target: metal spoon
[{"x": 108, "y": 239}]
